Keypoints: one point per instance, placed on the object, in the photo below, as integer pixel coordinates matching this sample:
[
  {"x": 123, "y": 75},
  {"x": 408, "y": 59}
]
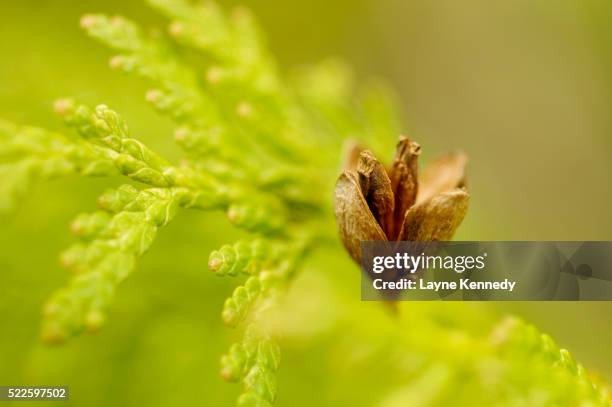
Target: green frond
[
  {"x": 242, "y": 257},
  {"x": 29, "y": 155},
  {"x": 265, "y": 150},
  {"x": 105, "y": 128},
  {"x": 111, "y": 245},
  {"x": 253, "y": 361},
  {"x": 154, "y": 59}
]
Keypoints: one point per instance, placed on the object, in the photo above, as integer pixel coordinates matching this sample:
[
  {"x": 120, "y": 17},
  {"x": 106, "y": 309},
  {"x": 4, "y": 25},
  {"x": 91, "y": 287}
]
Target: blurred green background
[{"x": 523, "y": 86}]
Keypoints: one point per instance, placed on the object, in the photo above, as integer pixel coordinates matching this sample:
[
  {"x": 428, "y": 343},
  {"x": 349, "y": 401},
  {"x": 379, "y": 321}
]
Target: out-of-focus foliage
[
  {"x": 266, "y": 151},
  {"x": 251, "y": 145}
]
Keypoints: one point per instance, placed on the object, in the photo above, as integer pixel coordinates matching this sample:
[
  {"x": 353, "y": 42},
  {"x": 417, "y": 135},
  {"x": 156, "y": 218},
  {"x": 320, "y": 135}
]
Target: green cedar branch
[{"x": 30, "y": 155}]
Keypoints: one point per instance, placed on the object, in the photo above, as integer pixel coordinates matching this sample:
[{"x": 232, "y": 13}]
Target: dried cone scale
[{"x": 376, "y": 203}]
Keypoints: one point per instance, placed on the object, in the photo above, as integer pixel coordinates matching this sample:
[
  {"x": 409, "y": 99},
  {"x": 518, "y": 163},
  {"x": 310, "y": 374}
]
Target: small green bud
[
  {"x": 222, "y": 261},
  {"x": 87, "y": 226},
  {"x": 253, "y": 287},
  {"x": 230, "y": 314},
  {"x": 74, "y": 257},
  {"x": 64, "y": 107},
  {"x": 233, "y": 364},
  {"x": 138, "y": 171},
  {"x": 115, "y": 200},
  {"x": 94, "y": 320}
]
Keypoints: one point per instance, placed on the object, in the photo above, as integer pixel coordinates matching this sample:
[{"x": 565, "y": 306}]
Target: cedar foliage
[{"x": 264, "y": 149}]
